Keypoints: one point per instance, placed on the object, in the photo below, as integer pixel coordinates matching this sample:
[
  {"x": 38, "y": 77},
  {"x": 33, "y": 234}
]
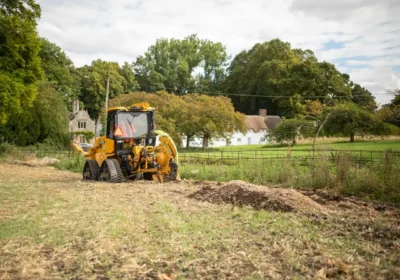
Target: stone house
[{"x": 80, "y": 121}]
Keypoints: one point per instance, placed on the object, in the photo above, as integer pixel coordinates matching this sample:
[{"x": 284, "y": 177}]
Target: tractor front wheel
[{"x": 91, "y": 170}]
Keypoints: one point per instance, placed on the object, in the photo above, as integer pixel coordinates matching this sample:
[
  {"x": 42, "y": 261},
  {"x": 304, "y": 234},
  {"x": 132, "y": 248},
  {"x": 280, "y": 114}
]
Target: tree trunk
[
  {"x": 205, "y": 142},
  {"x": 188, "y": 141},
  {"x": 351, "y": 136}
]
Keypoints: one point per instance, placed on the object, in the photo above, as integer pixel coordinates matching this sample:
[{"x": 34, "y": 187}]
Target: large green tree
[
  {"x": 349, "y": 119},
  {"x": 59, "y": 70},
  {"x": 391, "y": 112},
  {"x": 20, "y": 68},
  {"x": 211, "y": 117},
  {"x": 45, "y": 120},
  {"x": 172, "y": 64},
  {"x": 93, "y": 80},
  {"x": 272, "y": 75}
]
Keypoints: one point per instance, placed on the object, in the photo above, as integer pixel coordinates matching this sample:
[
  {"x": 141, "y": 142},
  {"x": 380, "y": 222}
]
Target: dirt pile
[{"x": 275, "y": 199}]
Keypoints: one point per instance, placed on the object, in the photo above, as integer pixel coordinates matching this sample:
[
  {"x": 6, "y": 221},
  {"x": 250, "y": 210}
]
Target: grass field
[
  {"x": 54, "y": 226},
  {"x": 376, "y": 145},
  {"x": 370, "y": 150}
]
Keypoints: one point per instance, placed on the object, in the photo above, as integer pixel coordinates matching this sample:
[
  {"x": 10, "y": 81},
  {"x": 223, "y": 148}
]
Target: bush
[{"x": 74, "y": 163}]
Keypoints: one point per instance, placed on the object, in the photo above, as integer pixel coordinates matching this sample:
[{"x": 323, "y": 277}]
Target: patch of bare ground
[{"x": 55, "y": 226}]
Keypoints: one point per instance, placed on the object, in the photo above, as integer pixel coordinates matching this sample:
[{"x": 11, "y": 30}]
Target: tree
[
  {"x": 391, "y": 112},
  {"x": 350, "y": 120},
  {"x": 59, "y": 70},
  {"x": 289, "y": 130},
  {"x": 363, "y": 97},
  {"x": 129, "y": 84},
  {"x": 93, "y": 81},
  {"x": 170, "y": 64},
  {"x": 20, "y": 68},
  {"x": 213, "y": 117},
  {"x": 46, "y": 120},
  {"x": 286, "y": 77}
]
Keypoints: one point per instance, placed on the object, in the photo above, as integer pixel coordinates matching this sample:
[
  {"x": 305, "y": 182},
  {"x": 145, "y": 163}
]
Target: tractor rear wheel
[
  {"x": 108, "y": 172},
  {"x": 120, "y": 175},
  {"x": 91, "y": 170}
]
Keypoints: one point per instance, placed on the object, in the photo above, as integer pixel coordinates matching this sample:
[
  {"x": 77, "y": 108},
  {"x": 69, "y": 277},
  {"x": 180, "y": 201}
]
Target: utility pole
[
  {"x": 106, "y": 106},
  {"x": 108, "y": 87}
]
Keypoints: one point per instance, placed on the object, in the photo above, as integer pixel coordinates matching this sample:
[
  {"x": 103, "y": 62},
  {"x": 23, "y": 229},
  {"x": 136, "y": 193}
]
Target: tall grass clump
[
  {"x": 343, "y": 172},
  {"x": 74, "y": 163}
]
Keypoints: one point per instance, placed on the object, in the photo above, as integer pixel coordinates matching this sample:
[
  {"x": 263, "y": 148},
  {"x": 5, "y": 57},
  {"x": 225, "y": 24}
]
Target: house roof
[
  {"x": 256, "y": 123},
  {"x": 272, "y": 121}
]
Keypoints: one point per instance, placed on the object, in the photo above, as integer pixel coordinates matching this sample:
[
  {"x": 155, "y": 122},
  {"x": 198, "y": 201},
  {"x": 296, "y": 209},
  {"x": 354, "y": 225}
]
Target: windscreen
[{"x": 131, "y": 125}]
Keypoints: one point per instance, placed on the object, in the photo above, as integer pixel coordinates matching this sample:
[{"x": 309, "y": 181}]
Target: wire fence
[
  {"x": 47, "y": 152},
  {"x": 234, "y": 156}
]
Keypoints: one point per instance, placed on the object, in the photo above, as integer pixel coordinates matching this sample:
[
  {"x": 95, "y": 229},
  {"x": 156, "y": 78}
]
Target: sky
[{"x": 361, "y": 37}]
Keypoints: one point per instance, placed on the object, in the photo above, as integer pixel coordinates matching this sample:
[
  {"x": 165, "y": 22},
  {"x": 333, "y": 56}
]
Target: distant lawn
[
  {"x": 365, "y": 149},
  {"x": 376, "y": 145}
]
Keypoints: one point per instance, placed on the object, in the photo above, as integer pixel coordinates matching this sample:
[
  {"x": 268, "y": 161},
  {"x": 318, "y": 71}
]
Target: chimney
[
  {"x": 262, "y": 112},
  {"x": 75, "y": 105}
]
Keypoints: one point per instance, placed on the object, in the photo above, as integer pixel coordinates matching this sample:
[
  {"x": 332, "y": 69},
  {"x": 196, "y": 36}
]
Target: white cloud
[{"x": 121, "y": 30}]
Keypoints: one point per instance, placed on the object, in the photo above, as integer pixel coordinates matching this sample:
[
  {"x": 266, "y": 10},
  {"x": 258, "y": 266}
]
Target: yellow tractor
[{"x": 131, "y": 148}]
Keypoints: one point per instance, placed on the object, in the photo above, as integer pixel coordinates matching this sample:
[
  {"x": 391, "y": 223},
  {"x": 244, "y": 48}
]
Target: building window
[
  {"x": 82, "y": 139},
  {"x": 262, "y": 139},
  {"x": 81, "y": 124},
  {"x": 239, "y": 140},
  {"x": 249, "y": 140}
]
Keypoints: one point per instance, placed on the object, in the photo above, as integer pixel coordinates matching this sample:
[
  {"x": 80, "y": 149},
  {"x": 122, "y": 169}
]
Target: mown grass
[
  {"x": 361, "y": 149},
  {"x": 375, "y": 145},
  {"x": 72, "y": 229}
]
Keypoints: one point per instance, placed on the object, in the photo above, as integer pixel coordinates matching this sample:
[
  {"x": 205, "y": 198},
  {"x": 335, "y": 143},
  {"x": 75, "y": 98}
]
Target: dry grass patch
[{"x": 53, "y": 226}]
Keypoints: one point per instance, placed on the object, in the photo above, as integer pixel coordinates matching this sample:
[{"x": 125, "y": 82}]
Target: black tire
[
  {"x": 108, "y": 172},
  {"x": 91, "y": 170},
  {"x": 174, "y": 171},
  {"x": 117, "y": 166}
]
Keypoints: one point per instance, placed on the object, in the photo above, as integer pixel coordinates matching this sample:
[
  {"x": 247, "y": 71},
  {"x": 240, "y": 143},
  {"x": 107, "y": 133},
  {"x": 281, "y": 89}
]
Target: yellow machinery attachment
[{"x": 129, "y": 150}]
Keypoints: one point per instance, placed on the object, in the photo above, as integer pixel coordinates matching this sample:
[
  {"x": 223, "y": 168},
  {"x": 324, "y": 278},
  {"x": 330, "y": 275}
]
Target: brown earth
[{"x": 259, "y": 197}]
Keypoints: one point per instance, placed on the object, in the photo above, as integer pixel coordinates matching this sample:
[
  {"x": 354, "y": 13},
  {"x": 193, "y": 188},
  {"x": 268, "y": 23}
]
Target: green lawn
[
  {"x": 364, "y": 149},
  {"x": 377, "y": 145}
]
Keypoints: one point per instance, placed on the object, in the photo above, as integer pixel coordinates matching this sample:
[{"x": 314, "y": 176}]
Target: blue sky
[{"x": 361, "y": 37}]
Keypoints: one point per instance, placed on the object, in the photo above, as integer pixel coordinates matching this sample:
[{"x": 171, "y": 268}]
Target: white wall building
[{"x": 257, "y": 127}]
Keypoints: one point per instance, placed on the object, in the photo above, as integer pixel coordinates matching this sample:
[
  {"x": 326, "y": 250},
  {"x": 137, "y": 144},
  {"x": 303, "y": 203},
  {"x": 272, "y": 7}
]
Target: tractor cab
[{"x": 131, "y": 126}]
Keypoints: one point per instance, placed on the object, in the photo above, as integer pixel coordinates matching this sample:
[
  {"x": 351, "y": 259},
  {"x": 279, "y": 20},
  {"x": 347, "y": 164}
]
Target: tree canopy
[
  {"x": 93, "y": 85},
  {"x": 391, "y": 112},
  {"x": 59, "y": 70},
  {"x": 349, "y": 119},
  {"x": 172, "y": 64},
  {"x": 20, "y": 68},
  {"x": 272, "y": 75}
]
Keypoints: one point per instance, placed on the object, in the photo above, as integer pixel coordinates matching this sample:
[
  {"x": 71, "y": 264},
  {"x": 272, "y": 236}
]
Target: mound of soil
[{"x": 259, "y": 197}]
